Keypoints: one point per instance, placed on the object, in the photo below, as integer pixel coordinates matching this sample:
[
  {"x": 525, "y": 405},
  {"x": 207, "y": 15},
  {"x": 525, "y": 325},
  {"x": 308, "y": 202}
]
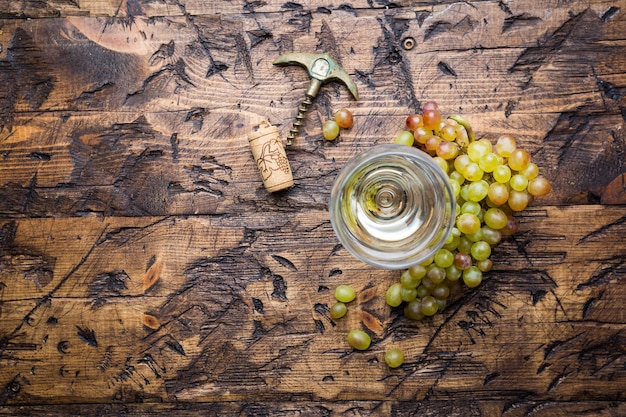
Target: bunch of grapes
[{"x": 490, "y": 182}]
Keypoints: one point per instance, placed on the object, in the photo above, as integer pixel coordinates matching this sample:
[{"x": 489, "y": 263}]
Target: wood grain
[{"x": 144, "y": 270}]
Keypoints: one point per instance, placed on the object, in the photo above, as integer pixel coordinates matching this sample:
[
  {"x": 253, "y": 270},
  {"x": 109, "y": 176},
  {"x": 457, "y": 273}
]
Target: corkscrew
[{"x": 321, "y": 68}]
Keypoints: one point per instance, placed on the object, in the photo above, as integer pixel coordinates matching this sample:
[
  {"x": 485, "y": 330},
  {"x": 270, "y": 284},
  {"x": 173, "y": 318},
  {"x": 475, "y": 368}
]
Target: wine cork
[{"x": 270, "y": 157}]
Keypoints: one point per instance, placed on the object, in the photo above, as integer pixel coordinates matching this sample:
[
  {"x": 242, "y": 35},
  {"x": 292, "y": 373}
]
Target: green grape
[
  {"x": 457, "y": 176},
  {"x": 538, "y": 187},
  {"x": 427, "y": 283},
  {"x": 495, "y": 218},
  {"x": 481, "y": 250},
  {"x": 453, "y": 273},
  {"x": 428, "y": 306},
  {"x": 531, "y": 171},
  {"x": 471, "y": 207},
  {"x": 409, "y": 281},
  {"x": 498, "y": 193},
  {"x": 447, "y": 150},
  {"x": 518, "y": 182},
  {"x": 464, "y": 192},
  {"x": 477, "y": 190},
  {"x": 472, "y": 276},
  {"x": 519, "y": 159},
  {"x": 448, "y": 133},
  {"x": 441, "y": 291},
  {"x": 518, "y": 200},
  {"x": 485, "y": 266},
  {"x": 422, "y": 291},
  {"x": 476, "y": 150},
  {"x": 359, "y": 340},
  {"x": 488, "y": 162},
  {"x": 345, "y": 293},
  {"x": 393, "y": 297},
  {"x": 408, "y": 294},
  {"x": 338, "y": 310},
  {"x": 452, "y": 243},
  {"x": 505, "y": 145},
  {"x": 502, "y": 174},
  {"x": 444, "y": 258},
  {"x": 330, "y": 130},
  {"x": 468, "y": 223},
  {"x": 441, "y": 304},
  {"x": 456, "y": 187},
  {"x": 491, "y": 236},
  {"x": 460, "y": 163},
  {"x": 475, "y": 237},
  {"x": 417, "y": 271},
  {"x": 413, "y": 310},
  {"x": 404, "y": 138},
  {"x": 435, "y": 274},
  {"x": 464, "y": 245},
  {"x": 394, "y": 358},
  {"x": 442, "y": 163},
  {"x": 472, "y": 172}
]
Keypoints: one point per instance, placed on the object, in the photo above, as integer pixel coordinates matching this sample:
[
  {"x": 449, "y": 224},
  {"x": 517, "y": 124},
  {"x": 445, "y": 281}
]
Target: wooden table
[{"x": 144, "y": 269}]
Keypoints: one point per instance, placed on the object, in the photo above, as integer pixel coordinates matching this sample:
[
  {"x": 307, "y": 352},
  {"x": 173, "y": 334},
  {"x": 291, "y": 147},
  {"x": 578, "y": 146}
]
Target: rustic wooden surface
[{"x": 144, "y": 270}]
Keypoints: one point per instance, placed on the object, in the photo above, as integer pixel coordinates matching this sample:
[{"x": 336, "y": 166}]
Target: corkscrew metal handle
[{"x": 321, "y": 68}]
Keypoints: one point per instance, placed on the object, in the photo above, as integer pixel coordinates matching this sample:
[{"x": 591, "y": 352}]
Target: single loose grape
[
  {"x": 338, "y": 310},
  {"x": 404, "y": 138},
  {"x": 345, "y": 293},
  {"x": 344, "y": 118},
  {"x": 393, "y": 296},
  {"x": 359, "y": 340},
  {"x": 539, "y": 187},
  {"x": 394, "y": 358},
  {"x": 330, "y": 130}
]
